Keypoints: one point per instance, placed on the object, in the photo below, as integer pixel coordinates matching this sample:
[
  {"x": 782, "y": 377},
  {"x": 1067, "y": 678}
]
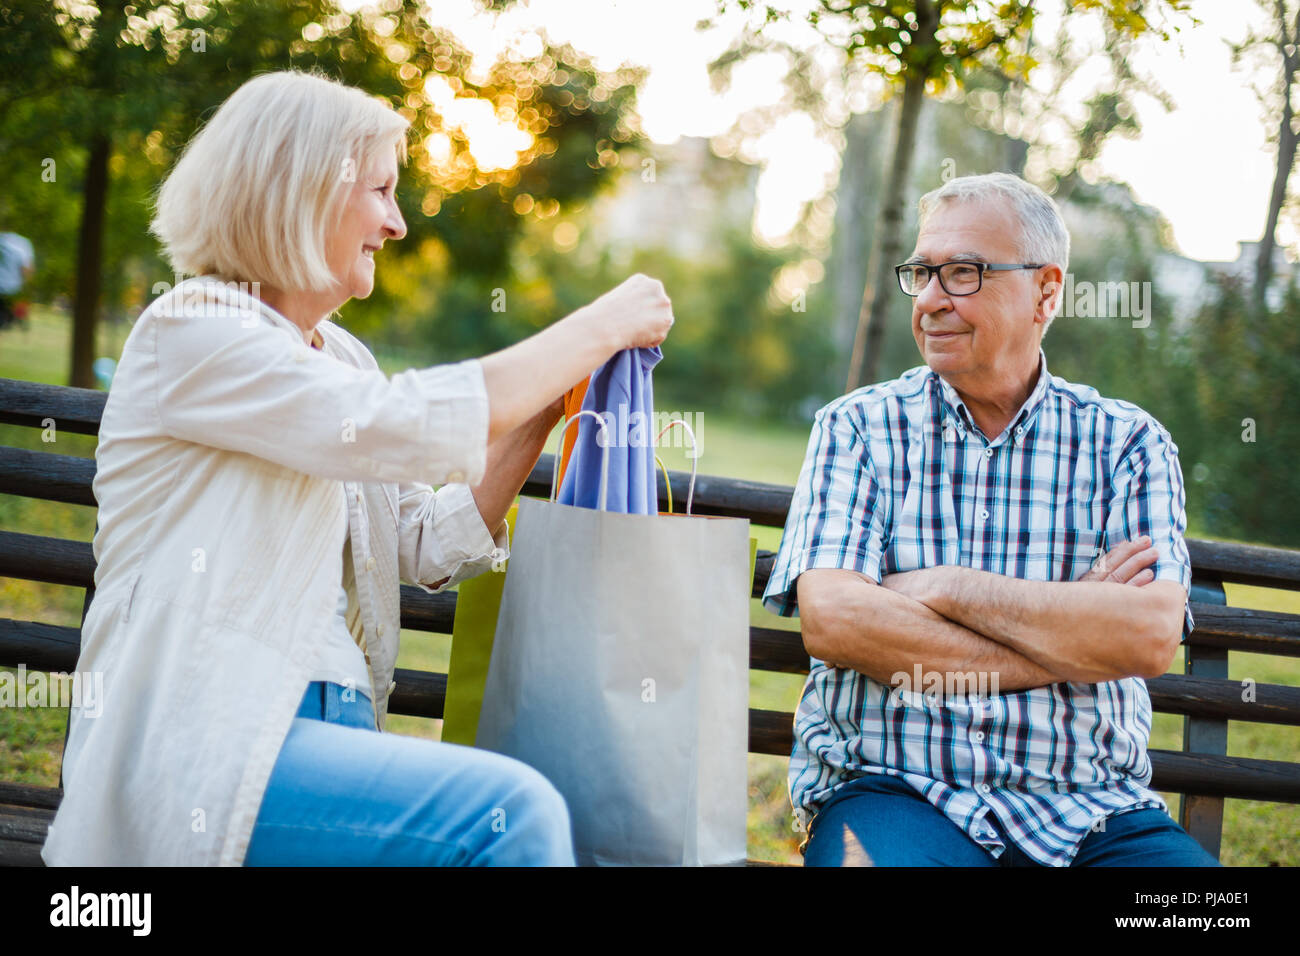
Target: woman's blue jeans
[{"x": 343, "y": 794}]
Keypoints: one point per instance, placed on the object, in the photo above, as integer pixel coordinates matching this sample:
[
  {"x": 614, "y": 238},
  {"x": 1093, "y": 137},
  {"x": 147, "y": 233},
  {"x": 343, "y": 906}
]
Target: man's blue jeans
[
  {"x": 343, "y": 794},
  {"x": 880, "y": 818}
]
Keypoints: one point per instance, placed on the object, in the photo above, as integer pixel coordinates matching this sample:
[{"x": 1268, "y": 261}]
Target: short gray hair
[{"x": 1043, "y": 236}]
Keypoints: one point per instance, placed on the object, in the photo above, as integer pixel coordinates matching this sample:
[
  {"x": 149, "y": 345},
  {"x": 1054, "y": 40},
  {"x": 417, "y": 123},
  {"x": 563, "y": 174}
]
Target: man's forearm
[
  {"x": 1087, "y": 631},
  {"x": 854, "y": 623}
]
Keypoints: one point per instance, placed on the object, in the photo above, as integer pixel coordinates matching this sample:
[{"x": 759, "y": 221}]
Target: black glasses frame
[{"x": 938, "y": 269}]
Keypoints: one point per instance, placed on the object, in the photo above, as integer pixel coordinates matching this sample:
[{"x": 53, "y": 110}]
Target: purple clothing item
[{"x": 621, "y": 392}]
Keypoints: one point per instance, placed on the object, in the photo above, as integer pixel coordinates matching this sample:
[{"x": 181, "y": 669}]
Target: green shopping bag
[{"x": 478, "y": 600}]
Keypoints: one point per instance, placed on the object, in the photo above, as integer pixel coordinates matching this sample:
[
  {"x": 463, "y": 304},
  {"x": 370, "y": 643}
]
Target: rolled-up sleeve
[
  {"x": 836, "y": 518},
  {"x": 228, "y": 378},
  {"x": 440, "y": 534},
  {"x": 1147, "y": 498}
]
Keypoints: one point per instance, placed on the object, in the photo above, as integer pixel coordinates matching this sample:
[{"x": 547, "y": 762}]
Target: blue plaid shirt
[{"x": 898, "y": 477}]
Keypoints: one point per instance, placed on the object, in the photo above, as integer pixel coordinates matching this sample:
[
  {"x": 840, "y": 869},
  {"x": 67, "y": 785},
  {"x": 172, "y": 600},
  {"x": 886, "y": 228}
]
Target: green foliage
[
  {"x": 736, "y": 346},
  {"x": 944, "y": 41},
  {"x": 1242, "y": 366},
  {"x": 1202, "y": 377},
  {"x": 146, "y": 74}
]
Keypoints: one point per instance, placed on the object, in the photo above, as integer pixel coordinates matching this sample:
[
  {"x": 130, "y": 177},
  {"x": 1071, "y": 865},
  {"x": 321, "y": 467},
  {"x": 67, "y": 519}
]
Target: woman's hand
[
  {"x": 634, "y": 314},
  {"x": 637, "y": 311}
]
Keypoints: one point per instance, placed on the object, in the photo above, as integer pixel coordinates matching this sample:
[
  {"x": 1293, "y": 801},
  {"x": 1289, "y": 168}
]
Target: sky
[{"x": 1206, "y": 165}]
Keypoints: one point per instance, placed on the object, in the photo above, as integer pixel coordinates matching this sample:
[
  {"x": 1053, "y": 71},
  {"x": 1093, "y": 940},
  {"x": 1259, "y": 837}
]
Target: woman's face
[{"x": 370, "y": 216}]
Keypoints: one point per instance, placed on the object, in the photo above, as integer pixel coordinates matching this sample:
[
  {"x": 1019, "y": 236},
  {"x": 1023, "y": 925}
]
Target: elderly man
[{"x": 987, "y": 560}]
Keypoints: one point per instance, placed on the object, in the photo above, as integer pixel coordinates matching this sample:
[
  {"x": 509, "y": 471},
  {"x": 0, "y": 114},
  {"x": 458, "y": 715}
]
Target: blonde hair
[{"x": 257, "y": 190}]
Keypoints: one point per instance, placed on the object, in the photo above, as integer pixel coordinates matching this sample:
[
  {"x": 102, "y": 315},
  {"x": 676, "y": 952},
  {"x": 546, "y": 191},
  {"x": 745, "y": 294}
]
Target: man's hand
[
  {"x": 918, "y": 584},
  {"x": 1126, "y": 563}
]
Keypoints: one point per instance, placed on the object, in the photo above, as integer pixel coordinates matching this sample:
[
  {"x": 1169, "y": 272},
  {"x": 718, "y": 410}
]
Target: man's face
[{"x": 991, "y": 335}]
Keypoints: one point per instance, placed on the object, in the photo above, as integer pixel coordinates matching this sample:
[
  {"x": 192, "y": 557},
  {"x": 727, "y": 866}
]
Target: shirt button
[
  {"x": 985, "y": 788},
  {"x": 300, "y": 355},
  {"x": 988, "y": 452},
  {"x": 456, "y": 477},
  {"x": 984, "y": 514},
  {"x": 370, "y": 563},
  {"x": 979, "y": 735}
]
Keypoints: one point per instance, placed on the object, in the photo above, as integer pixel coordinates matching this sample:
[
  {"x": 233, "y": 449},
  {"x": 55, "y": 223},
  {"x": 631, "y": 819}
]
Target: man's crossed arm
[{"x": 1113, "y": 622}]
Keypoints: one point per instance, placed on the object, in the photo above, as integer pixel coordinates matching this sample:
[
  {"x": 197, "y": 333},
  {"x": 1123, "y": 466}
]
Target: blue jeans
[
  {"x": 879, "y": 820},
  {"x": 343, "y": 794}
]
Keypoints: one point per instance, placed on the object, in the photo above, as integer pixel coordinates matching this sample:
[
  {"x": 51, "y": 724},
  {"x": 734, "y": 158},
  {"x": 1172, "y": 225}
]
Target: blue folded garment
[{"x": 622, "y": 393}]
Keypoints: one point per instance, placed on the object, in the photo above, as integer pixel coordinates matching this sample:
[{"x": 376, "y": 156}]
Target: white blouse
[
  {"x": 227, "y": 449},
  {"x": 341, "y": 660}
]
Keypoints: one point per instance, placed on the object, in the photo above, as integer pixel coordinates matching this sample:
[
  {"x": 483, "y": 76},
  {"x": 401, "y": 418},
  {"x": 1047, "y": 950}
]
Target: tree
[
  {"x": 928, "y": 47},
  {"x": 1278, "y": 43},
  {"x": 105, "y": 95}
]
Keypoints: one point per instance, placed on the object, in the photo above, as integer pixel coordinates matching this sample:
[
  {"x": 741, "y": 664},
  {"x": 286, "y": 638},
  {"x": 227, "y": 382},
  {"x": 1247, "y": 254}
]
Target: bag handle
[
  {"x": 667, "y": 484},
  {"x": 602, "y": 439},
  {"x": 695, "y": 461}
]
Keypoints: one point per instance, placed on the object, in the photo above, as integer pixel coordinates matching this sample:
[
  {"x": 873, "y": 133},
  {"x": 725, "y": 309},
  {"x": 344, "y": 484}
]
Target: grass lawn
[{"x": 31, "y": 740}]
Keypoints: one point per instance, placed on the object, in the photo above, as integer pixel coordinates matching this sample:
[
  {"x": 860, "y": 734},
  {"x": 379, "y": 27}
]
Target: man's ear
[{"x": 1050, "y": 289}]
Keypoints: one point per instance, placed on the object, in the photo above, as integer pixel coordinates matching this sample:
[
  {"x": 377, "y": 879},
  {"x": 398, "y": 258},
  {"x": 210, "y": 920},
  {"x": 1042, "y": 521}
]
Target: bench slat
[
  {"x": 29, "y": 795},
  {"x": 420, "y": 694},
  {"x": 68, "y": 478},
  {"x": 34, "y": 557},
  {"x": 29, "y": 403},
  {"x": 58, "y": 561}
]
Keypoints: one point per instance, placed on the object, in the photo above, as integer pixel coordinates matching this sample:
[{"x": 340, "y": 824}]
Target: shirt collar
[{"x": 960, "y": 416}]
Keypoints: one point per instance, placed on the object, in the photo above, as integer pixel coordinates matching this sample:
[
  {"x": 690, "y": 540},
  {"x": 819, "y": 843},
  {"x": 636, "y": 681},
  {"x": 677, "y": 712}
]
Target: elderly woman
[{"x": 262, "y": 488}]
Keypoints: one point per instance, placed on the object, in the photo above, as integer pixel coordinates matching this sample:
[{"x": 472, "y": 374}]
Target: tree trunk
[
  {"x": 1286, "y": 152},
  {"x": 90, "y": 245},
  {"x": 855, "y": 203},
  {"x": 101, "y": 59},
  {"x": 885, "y": 252}
]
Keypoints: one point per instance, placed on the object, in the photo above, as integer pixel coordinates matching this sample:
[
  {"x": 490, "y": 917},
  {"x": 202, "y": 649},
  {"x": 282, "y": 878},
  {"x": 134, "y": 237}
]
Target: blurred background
[{"x": 763, "y": 161}]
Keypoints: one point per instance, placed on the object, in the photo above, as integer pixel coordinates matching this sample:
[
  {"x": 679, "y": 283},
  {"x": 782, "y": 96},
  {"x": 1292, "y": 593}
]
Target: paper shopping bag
[{"x": 620, "y": 670}]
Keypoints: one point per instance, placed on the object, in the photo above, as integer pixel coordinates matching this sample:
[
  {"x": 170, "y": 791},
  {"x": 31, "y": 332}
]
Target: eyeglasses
[{"x": 958, "y": 277}]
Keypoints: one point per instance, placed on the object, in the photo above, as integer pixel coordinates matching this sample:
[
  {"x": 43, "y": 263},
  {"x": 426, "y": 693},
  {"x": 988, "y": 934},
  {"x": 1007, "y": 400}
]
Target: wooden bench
[{"x": 1201, "y": 771}]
